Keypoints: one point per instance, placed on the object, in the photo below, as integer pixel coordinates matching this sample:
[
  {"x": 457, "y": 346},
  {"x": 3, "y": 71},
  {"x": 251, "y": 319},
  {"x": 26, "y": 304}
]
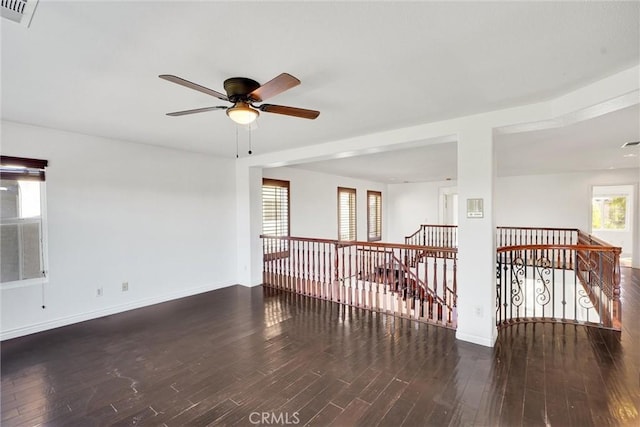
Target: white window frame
[
  {"x": 277, "y": 249},
  {"x": 372, "y": 226},
  {"x": 626, "y": 213},
  {"x": 350, "y": 192},
  {"x": 44, "y": 247}
]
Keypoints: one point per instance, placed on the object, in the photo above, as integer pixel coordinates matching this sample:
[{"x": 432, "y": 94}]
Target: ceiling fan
[{"x": 244, "y": 93}]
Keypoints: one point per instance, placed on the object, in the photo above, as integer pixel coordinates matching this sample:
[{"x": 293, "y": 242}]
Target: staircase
[
  {"x": 542, "y": 275},
  {"x": 545, "y": 274},
  {"x": 402, "y": 280}
]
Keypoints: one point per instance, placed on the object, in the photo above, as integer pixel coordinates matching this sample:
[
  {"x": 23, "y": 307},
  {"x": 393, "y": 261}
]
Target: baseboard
[
  {"x": 82, "y": 317},
  {"x": 476, "y": 339}
]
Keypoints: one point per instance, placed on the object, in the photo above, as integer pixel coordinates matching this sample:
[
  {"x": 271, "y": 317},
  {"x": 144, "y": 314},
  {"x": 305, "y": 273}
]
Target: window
[
  {"x": 609, "y": 212},
  {"x": 275, "y": 214},
  {"x": 346, "y": 213},
  {"x": 374, "y": 216},
  {"x": 22, "y": 231}
]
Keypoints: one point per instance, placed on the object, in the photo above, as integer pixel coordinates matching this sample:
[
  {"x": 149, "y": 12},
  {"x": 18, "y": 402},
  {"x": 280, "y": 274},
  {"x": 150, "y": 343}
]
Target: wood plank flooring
[{"x": 254, "y": 356}]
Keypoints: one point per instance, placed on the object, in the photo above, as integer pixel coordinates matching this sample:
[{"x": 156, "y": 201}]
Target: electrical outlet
[
  {"x": 99, "y": 292},
  {"x": 125, "y": 286}
]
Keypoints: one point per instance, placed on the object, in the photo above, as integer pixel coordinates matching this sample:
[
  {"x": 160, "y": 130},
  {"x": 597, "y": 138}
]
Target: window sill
[{"x": 23, "y": 283}]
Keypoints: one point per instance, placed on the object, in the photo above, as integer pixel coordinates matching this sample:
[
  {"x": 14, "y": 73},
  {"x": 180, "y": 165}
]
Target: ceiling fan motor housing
[{"x": 238, "y": 88}]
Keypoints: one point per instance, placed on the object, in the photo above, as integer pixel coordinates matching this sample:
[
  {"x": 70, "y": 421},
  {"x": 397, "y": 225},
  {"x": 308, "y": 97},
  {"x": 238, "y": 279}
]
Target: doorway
[
  {"x": 612, "y": 213},
  {"x": 449, "y": 205}
]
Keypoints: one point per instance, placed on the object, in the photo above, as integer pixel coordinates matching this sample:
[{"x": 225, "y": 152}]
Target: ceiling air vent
[
  {"x": 630, "y": 144},
  {"x": 20, "y": 11}
]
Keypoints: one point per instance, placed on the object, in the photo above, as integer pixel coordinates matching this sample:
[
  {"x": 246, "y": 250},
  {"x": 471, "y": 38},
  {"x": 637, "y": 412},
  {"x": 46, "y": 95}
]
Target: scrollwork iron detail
[
  {"x": 517, "y": 278},
  {"x": 543, "y": 270},
  {"x": 584, "y": 300}
]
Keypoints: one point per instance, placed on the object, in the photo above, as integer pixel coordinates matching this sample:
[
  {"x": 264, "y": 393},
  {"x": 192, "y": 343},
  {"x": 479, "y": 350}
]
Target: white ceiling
[
  {"x": 92, "y": 67},
  {"x": 587, "y": 145}
]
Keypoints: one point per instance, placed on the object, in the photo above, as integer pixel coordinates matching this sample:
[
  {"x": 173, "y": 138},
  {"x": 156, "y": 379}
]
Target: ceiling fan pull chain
[
  {"x": 237, "y": 142},
  {"x": 249, "y": 139}
]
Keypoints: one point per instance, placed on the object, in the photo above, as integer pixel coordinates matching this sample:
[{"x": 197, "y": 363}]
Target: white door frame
[
  {"x": 631, "y": 191},
  {"x": 442, "y": 197}
]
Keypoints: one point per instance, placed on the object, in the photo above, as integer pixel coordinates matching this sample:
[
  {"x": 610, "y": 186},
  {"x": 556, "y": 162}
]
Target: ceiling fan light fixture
[{"x": 242, "y": 113}]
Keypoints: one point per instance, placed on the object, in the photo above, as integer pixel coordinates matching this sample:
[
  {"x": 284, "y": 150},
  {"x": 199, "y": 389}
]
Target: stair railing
[
  {"x": 445, "y": 236},
  {"x": 558, "y": 283},
  {"x": 369, "y": 275}
]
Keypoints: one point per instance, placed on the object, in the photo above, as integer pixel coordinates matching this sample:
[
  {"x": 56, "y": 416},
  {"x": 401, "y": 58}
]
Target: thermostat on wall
[{"x": 475, "y": 208}]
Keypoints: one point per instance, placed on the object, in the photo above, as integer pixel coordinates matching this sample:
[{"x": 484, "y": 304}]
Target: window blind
[
  {"x": 21, "y": 221},
  {"x": 275, "y": 207},
  {"x": 275, "y": 216},
  {"x": 346, "y": 213},
  {"x": 22, "y": 169},
  {"x": 374, "y": 215}
]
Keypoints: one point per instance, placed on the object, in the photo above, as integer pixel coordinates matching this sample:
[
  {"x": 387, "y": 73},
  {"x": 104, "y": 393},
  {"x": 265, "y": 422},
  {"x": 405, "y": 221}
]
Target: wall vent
[
  {"x": 630, "y": 144},
  {"x": 20, "y": 11}
]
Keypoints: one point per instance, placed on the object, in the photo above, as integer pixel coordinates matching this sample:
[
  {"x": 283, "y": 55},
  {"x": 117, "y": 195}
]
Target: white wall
[
  {"x": 413, "y": 204},
  {"x": 610, "y": 94},
  {"x": 558, "y": 200},
  {"x": 314, "y": 202},
  {"x": 163, "y": 220}
]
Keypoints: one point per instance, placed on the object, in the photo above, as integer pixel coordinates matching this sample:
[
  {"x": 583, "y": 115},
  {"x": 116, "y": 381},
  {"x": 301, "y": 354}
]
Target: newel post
[
  {"x": 335, "y": 295},
  {"x": 617, "y": 305}
]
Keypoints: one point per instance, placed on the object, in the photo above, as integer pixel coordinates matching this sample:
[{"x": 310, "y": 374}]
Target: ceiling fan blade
[
  {"x": 289, "y": 111},
  {"x": 196, "y": 110},
  {"x": 273, "y": 87},
  {"x": 194, "y": 86}
]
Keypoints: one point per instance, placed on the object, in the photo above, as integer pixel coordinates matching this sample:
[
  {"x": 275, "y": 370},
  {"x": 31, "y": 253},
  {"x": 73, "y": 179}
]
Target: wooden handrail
[
  {"x": 419, "y": 281},
  {"x": 348, "y": 272},
  {"x": 306, "y": 239},
  {"x": 590, "y": 273},
  {"x": 387, "y": 277},
  {"x": 423, "y": 226},
  {"x": 343, "y": 243},
  {"x": 538, "y": 228},
  {"x": 568, "y": 247},
  {"x": 593, "y": 239}
]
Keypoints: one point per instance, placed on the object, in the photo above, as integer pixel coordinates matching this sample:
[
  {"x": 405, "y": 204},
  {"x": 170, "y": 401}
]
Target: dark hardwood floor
[{"x": 241, "y": 356}]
